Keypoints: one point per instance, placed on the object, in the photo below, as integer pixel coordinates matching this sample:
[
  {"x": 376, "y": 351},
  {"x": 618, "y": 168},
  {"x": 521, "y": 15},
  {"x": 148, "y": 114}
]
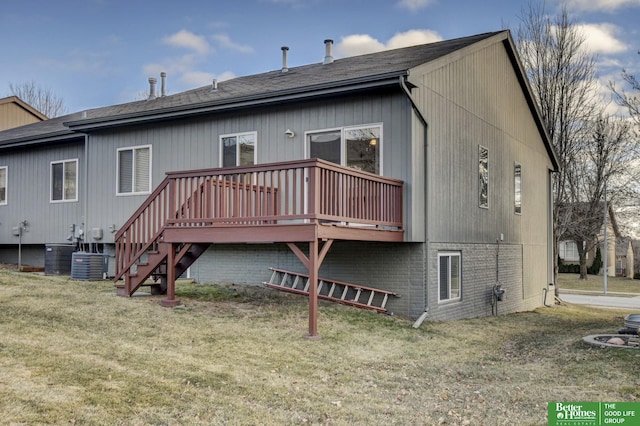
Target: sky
[{"x": 95, "y": 53}]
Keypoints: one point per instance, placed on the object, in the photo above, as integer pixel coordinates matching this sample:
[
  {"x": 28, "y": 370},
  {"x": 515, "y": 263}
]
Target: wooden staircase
[
  {"x": 303, "y": 202},
  {"x": 151, "y": 271}
]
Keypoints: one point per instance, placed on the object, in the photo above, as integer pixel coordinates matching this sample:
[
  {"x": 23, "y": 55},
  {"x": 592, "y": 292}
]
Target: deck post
[
  {"x": 313, "y": 291},
  {"x": 171, "y": 301}
]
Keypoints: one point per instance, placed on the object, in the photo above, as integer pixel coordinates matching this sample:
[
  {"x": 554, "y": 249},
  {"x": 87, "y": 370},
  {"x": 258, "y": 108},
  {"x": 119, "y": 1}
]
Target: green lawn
[
  {"x": 74, "y": 353},
  {"x": 595, "y": 283}
]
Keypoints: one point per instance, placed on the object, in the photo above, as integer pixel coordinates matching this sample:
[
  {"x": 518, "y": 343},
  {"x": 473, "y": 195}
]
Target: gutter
[
  {"x": 263, "y": 99},
  {"x": 26, "y": 141},
  {"x": 423, "y": 120}
]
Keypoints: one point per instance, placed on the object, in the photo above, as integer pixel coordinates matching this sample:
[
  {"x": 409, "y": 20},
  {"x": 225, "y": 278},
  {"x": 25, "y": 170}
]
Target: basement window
[
  {"x": 3, "y": 186},
  {"x": 134, "y": 170},
  {"x": 64, "y": 181},
  {"x": 449, "y": 283}
]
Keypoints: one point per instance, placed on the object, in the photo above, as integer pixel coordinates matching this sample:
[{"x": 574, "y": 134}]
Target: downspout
[
  {"x": 423, "y": 120},
  {"x": 85, "y": 196}
]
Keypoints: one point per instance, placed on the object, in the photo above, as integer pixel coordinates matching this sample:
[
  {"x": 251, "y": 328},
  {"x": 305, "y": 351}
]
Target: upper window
[
  {"x": 238, "y": 149},
  {"x": 64, "y": 180},
  {"x": 449, "y": 276},
  {"x": 357, "y": 147},
  {"x": 134, "y": 170},
  {"x": 483, "y": 176},
  {"x": 517, "y": 199},
  {"x": 3, "y": 185}
]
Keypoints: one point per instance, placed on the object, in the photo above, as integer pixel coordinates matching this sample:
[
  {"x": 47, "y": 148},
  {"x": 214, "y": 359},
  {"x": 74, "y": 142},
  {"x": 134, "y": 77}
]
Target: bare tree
[
  {"x": 605, "y": 163},
  {"x": 562, "y": 77},
  {"x": 42, "y": 99},
  {"x": 623, "y": 98}
]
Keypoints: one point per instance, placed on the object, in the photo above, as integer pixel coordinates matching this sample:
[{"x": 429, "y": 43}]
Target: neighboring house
[
  {"x": 432, "y": 179},
  {"x": 617, "y": 246},
  {"x": 624, "y": 258},
  {"x": 14, "y": 112}
]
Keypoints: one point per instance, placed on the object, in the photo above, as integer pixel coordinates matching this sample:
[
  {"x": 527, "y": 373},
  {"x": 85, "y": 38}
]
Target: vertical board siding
[
  {"x": 28, "y": 195},
  {"x": 477, "y": 100},
  {"x": 194, "y": 144}
]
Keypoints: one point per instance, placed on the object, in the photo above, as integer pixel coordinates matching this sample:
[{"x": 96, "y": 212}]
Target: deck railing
[{"x": 277, "y": 193}]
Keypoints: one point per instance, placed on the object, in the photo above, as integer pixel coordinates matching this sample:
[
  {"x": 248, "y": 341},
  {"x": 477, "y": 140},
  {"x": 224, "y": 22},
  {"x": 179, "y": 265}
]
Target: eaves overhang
[
  {"x": 254, "y": 100},
  {"x": 27, "y": 141}
]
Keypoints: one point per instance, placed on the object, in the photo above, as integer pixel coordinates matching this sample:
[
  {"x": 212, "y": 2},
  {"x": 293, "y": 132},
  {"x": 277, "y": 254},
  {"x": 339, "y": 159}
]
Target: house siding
[
  {"x": 28, "y": 195},
  {"x": 194, "y": 144},
  {"x": 466, "y": 106}
]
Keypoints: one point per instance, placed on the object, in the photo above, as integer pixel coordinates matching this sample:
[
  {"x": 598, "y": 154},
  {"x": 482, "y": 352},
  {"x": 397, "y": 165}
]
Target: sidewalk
[{"x": 622, "y": 300}]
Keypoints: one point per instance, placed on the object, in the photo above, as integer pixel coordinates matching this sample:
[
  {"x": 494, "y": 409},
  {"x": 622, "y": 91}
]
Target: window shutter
[
  {"x": 142, "y": 169},
  {"x": 125, "y": 171}
]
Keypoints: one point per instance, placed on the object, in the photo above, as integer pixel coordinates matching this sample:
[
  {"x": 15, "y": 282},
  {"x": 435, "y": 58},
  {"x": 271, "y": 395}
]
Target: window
[
  {"x": 134, "y": 170},
  {"x": 448, "y": 276},
  {"x": 483, "y": 176},
  {"x": 64, "y": 180},
  {"x": 238, "y": 149},
  {"x": 569, "y": 251},
  {"x": 356, "y": 147},
  {"x": 3, "y": 186},
  {"x": 517, "y": 199}
]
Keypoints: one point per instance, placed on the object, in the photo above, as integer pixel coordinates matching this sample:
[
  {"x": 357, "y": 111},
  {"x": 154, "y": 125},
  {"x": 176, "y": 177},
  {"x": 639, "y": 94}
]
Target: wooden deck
[{"x": 308, "y": 201}]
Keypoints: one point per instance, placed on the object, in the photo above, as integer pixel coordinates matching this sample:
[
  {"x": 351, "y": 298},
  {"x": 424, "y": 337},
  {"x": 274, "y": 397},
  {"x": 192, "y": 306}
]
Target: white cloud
[
  {"x": 196, "y": 78},
  {"x": 414, "y": 5},
  {"x": 412, "y": 38},
  {"x": 188, "y": 40},
  {"x": 601, "y": 5},
  {"x": 601, "y": 38},
  {"x": 226, "y": 42},
  {"x": 360, "y": 44}
]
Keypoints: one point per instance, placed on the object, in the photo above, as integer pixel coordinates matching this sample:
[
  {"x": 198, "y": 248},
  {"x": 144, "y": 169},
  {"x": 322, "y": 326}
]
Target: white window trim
[
  {"x": 343, "y": 143},
  {"x": 6, "y": 185},
  {"x": 229, "y": 135},
  {"x": 70, "y": 160},
  {"x": 459, "y": 256},
  {"x": 133, "y": 184}
]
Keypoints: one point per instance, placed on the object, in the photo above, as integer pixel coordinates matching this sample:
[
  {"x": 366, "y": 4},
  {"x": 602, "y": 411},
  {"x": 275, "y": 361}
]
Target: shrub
[{"x": 597, "y": 263}]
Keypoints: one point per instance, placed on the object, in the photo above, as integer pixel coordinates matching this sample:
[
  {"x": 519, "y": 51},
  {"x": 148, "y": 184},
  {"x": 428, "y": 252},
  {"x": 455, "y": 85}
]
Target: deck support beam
[
  {"x": 312, "y": 263},
  {"x": 171, "y": 300}
]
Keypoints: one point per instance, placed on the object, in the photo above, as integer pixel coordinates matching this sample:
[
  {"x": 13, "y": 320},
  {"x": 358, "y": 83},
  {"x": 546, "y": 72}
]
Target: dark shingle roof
[{"x": 341, "y": 73}]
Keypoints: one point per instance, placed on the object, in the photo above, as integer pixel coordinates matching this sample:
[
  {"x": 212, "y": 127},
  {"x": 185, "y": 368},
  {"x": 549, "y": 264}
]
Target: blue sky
[{"x": 94, "y": 53}]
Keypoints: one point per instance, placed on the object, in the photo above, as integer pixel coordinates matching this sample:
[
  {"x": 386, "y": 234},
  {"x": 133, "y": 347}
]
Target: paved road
[{"x": 600, "y": 300}]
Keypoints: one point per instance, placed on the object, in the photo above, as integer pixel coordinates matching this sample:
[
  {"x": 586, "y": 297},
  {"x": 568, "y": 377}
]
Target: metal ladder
[{"x": 333, "y": 290}]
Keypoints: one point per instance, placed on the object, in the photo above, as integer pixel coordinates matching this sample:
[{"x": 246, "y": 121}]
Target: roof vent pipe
[
  {"x": 328, "y": 58},
  {"x": 152, "y": 88},
  {"x": 214, "y": 85},
  {"x": 163, "y": 84},
  {"x": 285, "y": 49}
]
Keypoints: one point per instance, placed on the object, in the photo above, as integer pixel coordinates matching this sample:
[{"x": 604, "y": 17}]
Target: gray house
[{"x": 423, "y": 171}]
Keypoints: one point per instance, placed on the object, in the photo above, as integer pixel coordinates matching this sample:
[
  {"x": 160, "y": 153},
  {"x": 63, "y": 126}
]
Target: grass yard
[
  {"x": 594, "y": 283},
  {"x": 73, "y": 353}
]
